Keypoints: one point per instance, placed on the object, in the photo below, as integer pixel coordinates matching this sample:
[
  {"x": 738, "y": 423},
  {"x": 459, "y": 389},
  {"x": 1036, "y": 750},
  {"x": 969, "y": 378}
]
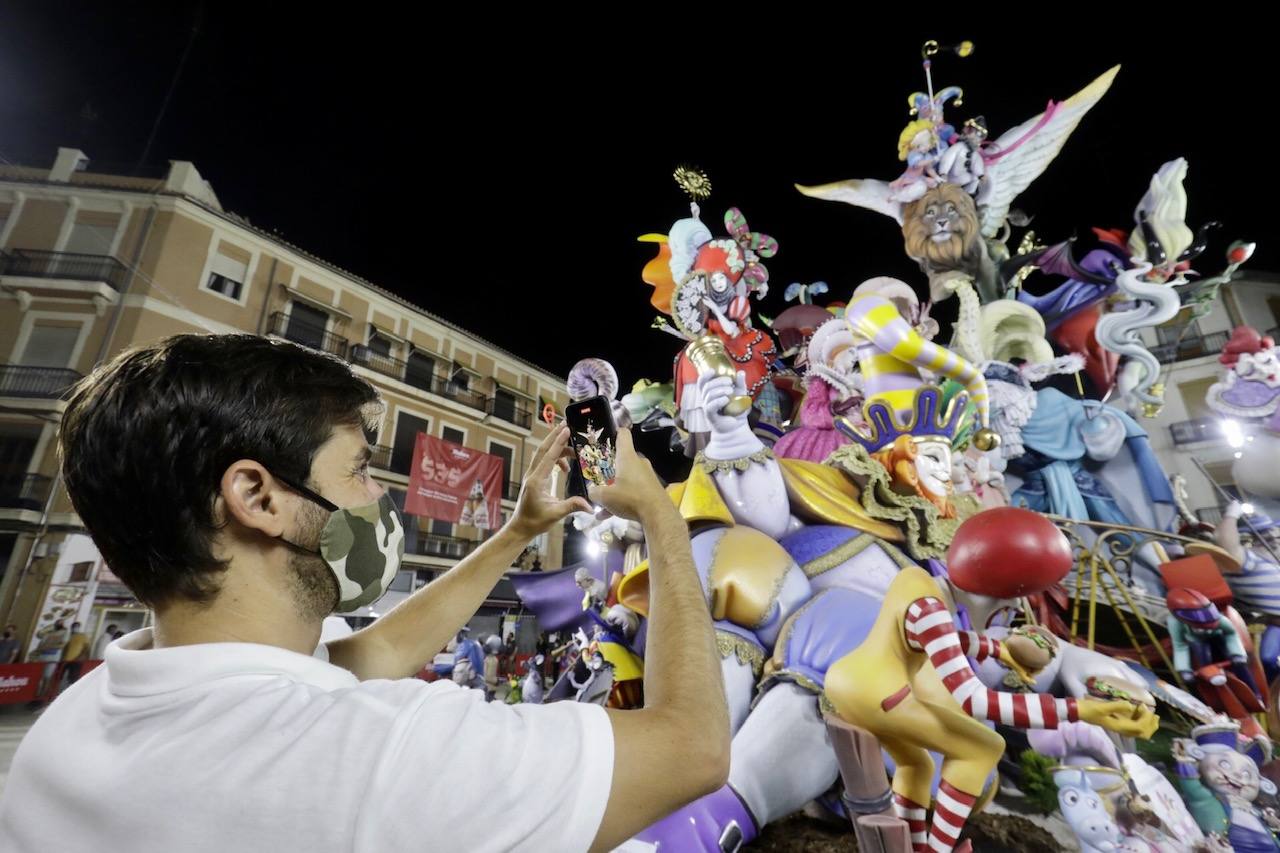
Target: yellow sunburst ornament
[{"x": 694, "y": 182}]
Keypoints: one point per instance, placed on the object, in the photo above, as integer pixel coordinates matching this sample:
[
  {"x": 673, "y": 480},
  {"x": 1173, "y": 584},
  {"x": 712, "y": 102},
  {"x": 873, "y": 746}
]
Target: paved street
[{"x": 14, "y": 722}]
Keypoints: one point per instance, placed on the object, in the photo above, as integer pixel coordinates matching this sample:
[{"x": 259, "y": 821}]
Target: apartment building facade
[{"x": 92, "y": 263}]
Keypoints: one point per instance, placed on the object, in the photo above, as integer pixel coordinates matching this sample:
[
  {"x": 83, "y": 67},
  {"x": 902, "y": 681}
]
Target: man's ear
[{"x": 252, "y": 497}]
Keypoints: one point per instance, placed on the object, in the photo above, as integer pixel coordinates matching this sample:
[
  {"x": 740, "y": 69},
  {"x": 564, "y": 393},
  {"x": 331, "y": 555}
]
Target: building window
[
  {"x": 307, "y": 325},
  {"x": 407, "y": 429},
  {"x": 459, "y": 381},
  {"x": 50, "y": 346},
  {"x": 92, "y": 237},
  {"x": 505, "y": 454},
  {"x": 457, "y": 436},
  {"x": 419, "y": 371},
  {"x": 18, "y": 489},
  {"x": 380, "y": 345},
  {"x": 227, "y": 277},
  {"x": 504, "y": 405},
  {"x": 410, "y": 522},
  {"x": 1193, "y": 397},
  {"x": 228, "y": 287},
  {"x": 81, "y": 572},
  {"x": 1178, "y": 330}
]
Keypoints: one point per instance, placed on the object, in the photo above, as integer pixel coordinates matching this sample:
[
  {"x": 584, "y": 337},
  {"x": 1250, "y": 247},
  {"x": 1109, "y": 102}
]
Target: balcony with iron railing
[
  {"x": 33, "y": 263},
  {"x": 1210, "y": 514},
  {"x": 1196, "y": 430},
  {"x": 454, "y": 390},
  {"x": 447, "y": 547},
  {"x": 381, "y": 457},
  {"x": 364, "y": 356},
  {"x": 1191, "y": 347},
  {"x": 417, "y": 376},
  {"x": 24, "y": 491},
  {"x": 512, "y": 490},
  {"x": 509, "y": 411},
  {"x": 37, "y": 383},
  {"x": 308, "y": 335}
]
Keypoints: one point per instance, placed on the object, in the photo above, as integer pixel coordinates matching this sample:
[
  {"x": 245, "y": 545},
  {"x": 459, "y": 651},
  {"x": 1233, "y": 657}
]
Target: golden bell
[
  {"x": 986, "y": 439},
  {"x": 707, "y": 353},
  {"x": 1151, "y": 410}
]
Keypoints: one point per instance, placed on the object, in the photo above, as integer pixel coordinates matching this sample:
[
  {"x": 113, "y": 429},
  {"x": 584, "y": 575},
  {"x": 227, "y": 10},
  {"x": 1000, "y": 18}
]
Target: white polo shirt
[{"x": 238, "y": 746}]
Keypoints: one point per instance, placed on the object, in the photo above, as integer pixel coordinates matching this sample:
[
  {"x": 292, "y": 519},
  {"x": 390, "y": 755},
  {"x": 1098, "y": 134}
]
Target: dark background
[{"x": 497, "y": 171}]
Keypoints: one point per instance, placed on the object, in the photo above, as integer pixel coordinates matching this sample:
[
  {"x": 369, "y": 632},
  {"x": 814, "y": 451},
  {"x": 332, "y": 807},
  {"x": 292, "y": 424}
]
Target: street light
[{"x": 1235, "y": 435}]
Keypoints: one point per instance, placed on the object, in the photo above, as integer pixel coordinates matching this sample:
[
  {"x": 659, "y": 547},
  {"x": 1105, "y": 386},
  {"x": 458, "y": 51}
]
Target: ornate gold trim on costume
[
  {"x": 776, "y": 664},
  {"x": 850, "y": 549},
  {"x": 743, "y": 649},
  {"x": 742, "y": 463},
  {"x": 796, "y": 678},
  {"x": 773, "y": 599}
]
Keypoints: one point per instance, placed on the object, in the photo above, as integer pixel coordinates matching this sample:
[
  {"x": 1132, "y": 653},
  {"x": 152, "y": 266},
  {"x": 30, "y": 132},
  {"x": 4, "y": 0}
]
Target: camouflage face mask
[{"x": 361, "y": 545}]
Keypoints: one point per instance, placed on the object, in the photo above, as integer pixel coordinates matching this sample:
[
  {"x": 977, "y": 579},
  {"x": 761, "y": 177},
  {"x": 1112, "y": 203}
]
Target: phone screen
[{"x": 594, "y": 437}]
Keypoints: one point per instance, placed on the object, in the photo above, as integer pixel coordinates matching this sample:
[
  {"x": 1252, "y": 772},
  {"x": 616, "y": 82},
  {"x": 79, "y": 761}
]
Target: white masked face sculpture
[{"x": 933, "y": 467}]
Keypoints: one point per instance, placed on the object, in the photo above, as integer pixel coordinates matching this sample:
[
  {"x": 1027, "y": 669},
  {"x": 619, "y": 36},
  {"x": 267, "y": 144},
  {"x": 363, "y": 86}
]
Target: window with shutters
[{"x": 227, "y": 276}]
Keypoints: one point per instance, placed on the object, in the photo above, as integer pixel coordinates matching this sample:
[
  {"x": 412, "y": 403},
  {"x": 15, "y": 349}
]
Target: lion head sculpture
[{"x": 941, "y": 231}]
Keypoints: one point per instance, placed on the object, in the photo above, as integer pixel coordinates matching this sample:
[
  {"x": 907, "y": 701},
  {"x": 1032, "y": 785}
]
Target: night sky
[{"x": 500, "y": 179}]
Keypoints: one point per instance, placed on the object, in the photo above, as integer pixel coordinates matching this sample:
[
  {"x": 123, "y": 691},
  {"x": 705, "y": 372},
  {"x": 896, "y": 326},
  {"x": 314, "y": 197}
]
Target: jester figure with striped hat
[
  {"x": 910, "y": 683},
  {"x": 923, "y": 402}
]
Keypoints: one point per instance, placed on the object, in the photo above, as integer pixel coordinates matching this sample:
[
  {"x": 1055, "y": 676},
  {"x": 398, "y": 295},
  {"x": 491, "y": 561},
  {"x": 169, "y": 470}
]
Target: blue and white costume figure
[{"x": 1089, "y": 461}]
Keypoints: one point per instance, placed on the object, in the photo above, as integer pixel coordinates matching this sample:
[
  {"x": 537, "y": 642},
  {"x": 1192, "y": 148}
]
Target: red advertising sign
[
  {"x": 19, "y": 682},
  {"x": 449, "y": 482}
]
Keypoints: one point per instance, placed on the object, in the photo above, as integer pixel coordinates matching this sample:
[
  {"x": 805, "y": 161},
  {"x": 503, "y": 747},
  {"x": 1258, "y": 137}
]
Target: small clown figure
[
  {"x": 1220, "y": 784},
  {"x": 910, "y": 684}
]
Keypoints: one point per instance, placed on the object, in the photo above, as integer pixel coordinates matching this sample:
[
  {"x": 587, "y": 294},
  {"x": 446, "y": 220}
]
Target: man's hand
[
  {"x": 636, "y": 491},
  {"x": 1118, "y": 715},
  {"x": 538, "y": 510}
]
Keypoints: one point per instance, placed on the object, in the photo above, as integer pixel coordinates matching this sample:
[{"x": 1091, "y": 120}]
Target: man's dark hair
[
  {"x": 146, "y": 439},
  {"x": 75, "y": 625},
  {"x": 111, "y": 626}
]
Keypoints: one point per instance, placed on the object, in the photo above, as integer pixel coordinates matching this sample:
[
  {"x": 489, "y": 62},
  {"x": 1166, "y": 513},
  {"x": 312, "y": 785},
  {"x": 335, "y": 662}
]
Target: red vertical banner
[{"x": 453, "y": 483}]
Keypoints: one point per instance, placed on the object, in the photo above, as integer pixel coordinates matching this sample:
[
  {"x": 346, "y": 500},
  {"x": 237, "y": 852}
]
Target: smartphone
[{"x": 594, "y": 437}]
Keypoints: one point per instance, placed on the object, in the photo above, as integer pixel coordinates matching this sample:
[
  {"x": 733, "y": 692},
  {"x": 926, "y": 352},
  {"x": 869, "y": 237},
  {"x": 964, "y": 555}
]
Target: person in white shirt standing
[
  {"x": 225, "y": 480},
  {"x": 100, "y": 645}
]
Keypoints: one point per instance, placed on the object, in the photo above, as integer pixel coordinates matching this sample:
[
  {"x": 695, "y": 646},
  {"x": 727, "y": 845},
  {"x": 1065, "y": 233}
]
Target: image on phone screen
[{"x": 594, "y": 438}]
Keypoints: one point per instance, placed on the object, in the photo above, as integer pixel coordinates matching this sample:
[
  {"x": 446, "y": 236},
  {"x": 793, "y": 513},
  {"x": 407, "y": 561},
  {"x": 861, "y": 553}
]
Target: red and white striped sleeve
[
  {"x": 929, "y": 628},
  {"x": 977, "y": 646},
  {"x": 739, "y": 308}
]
